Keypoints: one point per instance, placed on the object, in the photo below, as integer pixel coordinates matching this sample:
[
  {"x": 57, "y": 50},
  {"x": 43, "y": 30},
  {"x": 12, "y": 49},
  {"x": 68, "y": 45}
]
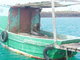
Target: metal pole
[{"x": 54, "y": 22}]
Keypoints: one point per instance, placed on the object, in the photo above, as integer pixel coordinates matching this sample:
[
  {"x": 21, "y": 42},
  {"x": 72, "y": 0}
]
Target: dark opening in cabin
[{"x": 24, "y": 19}]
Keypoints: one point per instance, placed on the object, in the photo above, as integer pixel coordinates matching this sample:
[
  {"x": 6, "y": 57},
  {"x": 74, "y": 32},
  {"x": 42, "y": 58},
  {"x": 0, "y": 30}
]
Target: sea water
[{"x": 66, "y": 25}]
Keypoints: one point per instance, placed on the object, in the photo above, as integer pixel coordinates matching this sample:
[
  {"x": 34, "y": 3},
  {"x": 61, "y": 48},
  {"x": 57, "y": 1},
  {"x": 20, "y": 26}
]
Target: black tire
[
  {"x": 45, "y": 53},
  {"x": 4, "y": 36}
]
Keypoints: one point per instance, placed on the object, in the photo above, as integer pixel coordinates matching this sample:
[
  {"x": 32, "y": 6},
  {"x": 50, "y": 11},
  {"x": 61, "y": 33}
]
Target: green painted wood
[
  {"x": 31, "y": 45},
  {"x": 14, "y": 20}
]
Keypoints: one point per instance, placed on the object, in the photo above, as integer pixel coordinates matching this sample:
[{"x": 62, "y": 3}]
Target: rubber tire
[
  {"x": 45, "y": 53},
  {"x": 4, "y": 36}
]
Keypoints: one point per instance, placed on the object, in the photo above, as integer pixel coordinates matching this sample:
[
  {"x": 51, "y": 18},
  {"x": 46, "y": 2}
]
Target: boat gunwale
[
  {"x": 40, "y": 38},
  {"x": 46, "y": 38}
]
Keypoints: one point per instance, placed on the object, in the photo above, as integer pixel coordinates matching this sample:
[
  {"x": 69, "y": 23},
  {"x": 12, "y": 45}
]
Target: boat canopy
[
  {"x": 46, "y": 4},
  {"x": 43, "y": 4}
]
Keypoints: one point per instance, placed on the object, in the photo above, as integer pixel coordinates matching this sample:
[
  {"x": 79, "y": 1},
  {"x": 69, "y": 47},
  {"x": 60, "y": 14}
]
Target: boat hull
[{"x": 32, "y": 47}]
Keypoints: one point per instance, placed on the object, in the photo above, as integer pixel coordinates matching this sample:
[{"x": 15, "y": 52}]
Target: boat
[{"x": 20, "y": 32}]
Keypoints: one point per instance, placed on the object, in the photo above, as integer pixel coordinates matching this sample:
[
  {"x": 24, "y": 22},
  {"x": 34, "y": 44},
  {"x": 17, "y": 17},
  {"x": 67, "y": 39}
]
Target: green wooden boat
[{"x": 20, "y": 32}]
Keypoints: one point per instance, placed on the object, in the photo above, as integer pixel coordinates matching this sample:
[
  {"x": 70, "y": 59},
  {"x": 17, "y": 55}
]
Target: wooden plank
[
  {"x": 72, "y": 45},
  {"x": 75, "y": 47}
]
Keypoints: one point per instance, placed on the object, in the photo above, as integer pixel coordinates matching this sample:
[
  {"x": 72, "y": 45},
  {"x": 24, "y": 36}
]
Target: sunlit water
[{"x": 69, "y": 26}]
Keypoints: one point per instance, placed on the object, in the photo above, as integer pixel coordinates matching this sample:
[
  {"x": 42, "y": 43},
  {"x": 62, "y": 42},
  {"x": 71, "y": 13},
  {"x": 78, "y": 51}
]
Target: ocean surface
[{"x": 66, "y": 25}]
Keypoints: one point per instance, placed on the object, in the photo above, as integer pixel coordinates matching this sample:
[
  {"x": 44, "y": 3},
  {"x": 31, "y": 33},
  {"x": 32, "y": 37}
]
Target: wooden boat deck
[
  {"x": 35, "y": 36},
  {"x": 26, "y": 34},
  {"x": 70, "y": 47}
]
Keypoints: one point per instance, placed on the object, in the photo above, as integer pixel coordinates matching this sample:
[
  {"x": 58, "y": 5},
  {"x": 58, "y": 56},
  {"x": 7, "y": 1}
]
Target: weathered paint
[
  {"x": 13, "y": 20},
  {"x": 23, "y": 19}
]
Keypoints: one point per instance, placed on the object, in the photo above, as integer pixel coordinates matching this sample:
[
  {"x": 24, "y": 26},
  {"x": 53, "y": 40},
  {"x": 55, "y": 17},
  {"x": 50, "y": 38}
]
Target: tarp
[{"x": 43, "y": 4}]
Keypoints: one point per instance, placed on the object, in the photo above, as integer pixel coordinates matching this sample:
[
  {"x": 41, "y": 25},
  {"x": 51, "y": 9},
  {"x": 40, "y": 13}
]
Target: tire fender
[
  {"x": 45, "y": 53},
  {"x": 4, "y": 36}
]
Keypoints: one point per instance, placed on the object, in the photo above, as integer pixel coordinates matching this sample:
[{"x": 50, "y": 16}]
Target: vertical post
[
  {"x": 18, "y": 20},
  {"x": 54, "y": 22}
]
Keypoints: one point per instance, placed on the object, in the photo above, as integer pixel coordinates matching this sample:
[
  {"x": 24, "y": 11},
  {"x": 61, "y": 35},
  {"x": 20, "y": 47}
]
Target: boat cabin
[{"x": 25, "y": 21}]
